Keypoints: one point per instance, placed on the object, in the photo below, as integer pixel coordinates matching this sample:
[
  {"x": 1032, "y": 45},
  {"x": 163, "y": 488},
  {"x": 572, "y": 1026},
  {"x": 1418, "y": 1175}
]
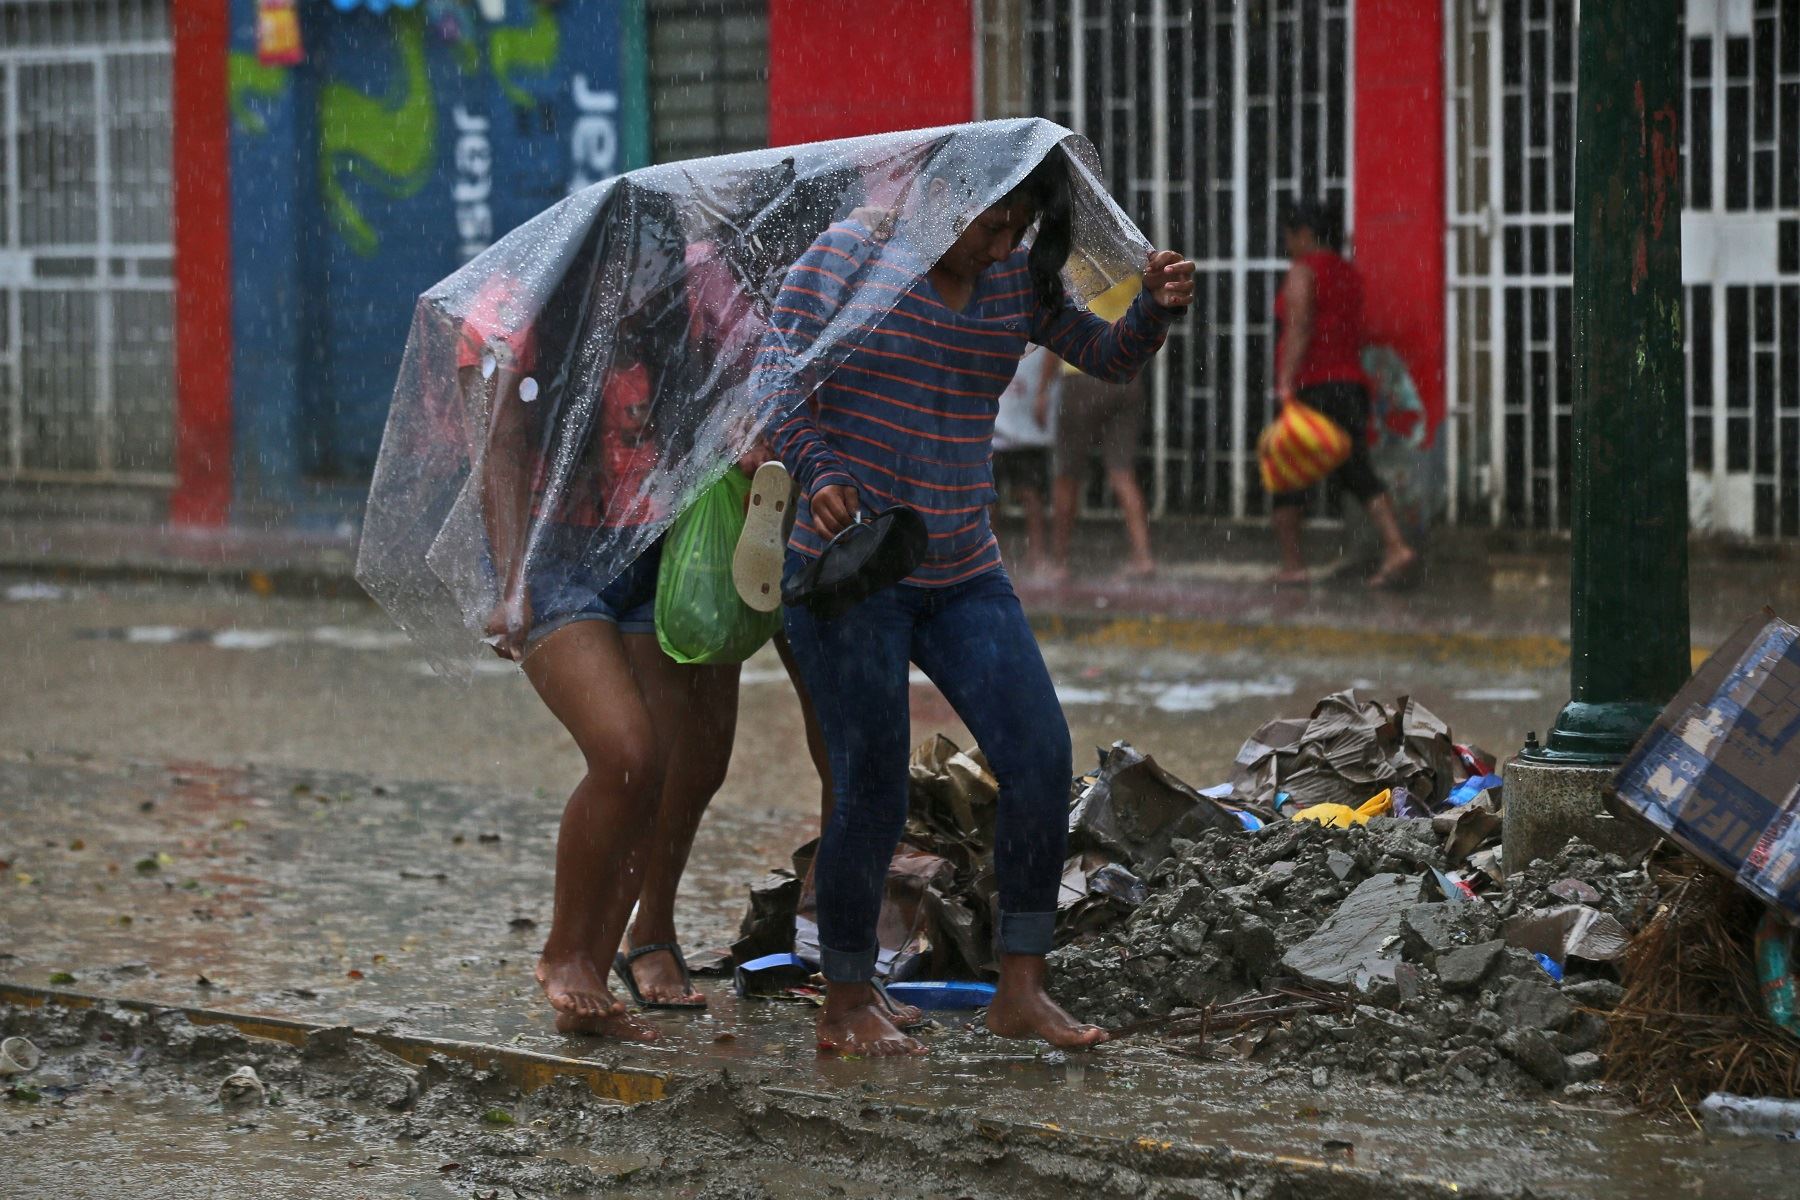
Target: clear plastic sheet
[{"x": 564, "y": 395}]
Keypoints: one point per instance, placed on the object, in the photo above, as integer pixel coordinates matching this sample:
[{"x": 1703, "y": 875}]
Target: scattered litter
[
  {"x": 1568, "y": 931},
  {"x": 1752, "y": 1116},
  {"x": 18, "y": 1056},
  {"x": 1719, "y": 771},
  {"x": 242, "y": 1090},
  {"x": 942, "y": 994}
]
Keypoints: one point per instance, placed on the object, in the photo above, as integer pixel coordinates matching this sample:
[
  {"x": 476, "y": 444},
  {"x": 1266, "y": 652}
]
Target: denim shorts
[{"x": 563, "y": 592}]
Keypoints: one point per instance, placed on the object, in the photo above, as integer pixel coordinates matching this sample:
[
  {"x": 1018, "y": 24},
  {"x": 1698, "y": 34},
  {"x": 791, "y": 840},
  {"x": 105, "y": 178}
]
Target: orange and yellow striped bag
[{"x": 1302, "y": 447}]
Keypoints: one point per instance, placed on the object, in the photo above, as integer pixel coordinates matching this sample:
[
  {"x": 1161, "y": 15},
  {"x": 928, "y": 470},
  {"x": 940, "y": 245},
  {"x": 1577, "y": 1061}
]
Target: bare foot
[
  {"x": 1026, "y": 1011},
  {"x": 576, "y": 989},
  {"x": 1291, "y": 577},
  {"x": 853, "y": 1022},
  {"x": 1141, "y": 570},
  {"x": 1057, "y": 574},
  {"x": 1394, "y": 568},
  {"x": 658, "y": 979}
]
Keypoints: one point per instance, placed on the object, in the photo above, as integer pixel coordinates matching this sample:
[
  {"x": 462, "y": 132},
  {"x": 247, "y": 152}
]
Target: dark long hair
[{"x": 1046, "y": 190}]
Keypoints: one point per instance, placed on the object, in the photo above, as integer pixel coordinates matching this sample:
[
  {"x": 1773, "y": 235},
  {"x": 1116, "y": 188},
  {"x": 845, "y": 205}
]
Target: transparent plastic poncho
[{"x": 564, "y": 395}]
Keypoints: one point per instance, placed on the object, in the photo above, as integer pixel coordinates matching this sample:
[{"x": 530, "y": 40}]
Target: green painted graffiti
[
  {"x": 530, "y": 48},
  {"x": 389, "y": 143},
  {"x": 245, "y": 78}
]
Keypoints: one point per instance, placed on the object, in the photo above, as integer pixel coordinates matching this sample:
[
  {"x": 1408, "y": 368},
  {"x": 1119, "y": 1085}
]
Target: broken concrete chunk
[
  {"x": 1536, "y": 1055},
  {"x": 1574, "y": 891},
  {"x": 1357, "y": 931},
  {"x": 1583, "y": 1067},
  {"x": 1276, "y": 877},
  {"x": 1340, "y": 864},
  {"x": 1595, "y": 993},
  {"x": 1428, "y": 930},
  {"x": 1463, "y": 969},
  {"x": 1531, "y": 1004}
]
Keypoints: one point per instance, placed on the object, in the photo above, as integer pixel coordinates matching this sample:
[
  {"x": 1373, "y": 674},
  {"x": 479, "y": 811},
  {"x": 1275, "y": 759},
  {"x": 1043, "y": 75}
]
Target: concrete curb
[{"x": 530, "y": 1070}]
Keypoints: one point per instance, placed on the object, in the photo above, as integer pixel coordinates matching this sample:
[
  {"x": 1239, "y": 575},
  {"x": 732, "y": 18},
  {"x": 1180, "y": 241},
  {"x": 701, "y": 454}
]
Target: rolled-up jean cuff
[
  {"x": 1027, "y": 933},
  {"x": 840, "y": 966}
]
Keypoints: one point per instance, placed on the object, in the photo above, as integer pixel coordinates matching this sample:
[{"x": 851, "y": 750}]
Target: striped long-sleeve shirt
[{"x": 908, "y": 417}]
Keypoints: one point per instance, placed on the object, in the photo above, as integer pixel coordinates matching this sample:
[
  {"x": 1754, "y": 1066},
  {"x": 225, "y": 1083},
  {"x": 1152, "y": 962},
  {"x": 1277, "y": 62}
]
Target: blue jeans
[{"x": 971, "y": 639}]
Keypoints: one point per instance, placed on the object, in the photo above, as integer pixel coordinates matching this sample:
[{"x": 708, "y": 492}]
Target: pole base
[
  {"x": 1593, "y": 735},
  {"x": 1549, "y": 803}
]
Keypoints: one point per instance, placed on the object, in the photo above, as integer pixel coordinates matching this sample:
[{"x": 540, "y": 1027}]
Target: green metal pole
[
  {"x": 634, "y": 85},
  {"x": 1629, "y": 573}
]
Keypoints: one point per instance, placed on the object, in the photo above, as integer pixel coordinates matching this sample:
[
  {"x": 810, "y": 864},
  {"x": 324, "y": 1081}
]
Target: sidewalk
[{"x": 1481, "y": 592}]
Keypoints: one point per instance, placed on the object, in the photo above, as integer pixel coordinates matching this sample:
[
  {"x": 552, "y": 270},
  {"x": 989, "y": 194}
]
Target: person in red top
[{"x": 1318, "y": 360}]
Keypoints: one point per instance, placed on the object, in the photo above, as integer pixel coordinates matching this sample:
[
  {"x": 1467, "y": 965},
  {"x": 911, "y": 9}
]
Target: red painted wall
[
  {"x": 1399, "y": 185},
  {"x": 202, "y": 195},
  {"x": 840, "y": 68}
]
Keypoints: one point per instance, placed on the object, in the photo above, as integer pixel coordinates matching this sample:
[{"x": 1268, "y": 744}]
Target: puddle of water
[
  {"x": 1208, "y": 694},
  {"x": 1500, "y": 695}
]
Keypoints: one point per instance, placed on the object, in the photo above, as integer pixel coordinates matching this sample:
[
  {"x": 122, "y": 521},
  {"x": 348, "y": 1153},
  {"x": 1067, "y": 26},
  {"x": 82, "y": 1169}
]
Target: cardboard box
[{"x": 1719, "y": 771}]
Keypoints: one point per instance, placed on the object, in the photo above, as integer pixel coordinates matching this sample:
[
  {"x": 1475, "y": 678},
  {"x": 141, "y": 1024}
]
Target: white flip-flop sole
[{"x": 756, "y": 564}]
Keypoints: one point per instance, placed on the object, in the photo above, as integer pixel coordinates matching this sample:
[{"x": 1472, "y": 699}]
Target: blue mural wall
[{"x": 403, "y": 144}]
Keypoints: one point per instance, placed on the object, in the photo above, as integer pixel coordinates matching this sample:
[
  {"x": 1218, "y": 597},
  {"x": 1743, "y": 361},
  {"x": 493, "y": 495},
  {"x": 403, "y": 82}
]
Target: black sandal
[{"x": 622, "y": 968}]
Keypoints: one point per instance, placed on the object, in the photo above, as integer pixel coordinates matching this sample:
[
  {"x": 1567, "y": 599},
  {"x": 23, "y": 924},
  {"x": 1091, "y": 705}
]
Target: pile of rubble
[
  {"x": 1315, "y": 949},
  {"x": 1280, "y": 917}
]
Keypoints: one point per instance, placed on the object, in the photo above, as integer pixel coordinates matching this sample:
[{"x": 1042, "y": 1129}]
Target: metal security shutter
[
  {"x": 86, "y": 255},
  {"x": 1511, "y": 81},
  {"x": 709, "y": 77},
  {"x": 1207, "y": 116}
]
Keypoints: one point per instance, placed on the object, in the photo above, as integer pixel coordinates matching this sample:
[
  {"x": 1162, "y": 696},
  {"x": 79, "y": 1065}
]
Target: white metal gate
[
  {"x": 1207, "y": 114},
  {"x": 86, "y": 260},
  {"x": 1510, "y": 90}
]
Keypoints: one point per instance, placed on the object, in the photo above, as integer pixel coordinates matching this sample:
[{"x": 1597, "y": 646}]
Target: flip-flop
[
  {"x": 892, "y": 1007},
  {"x": 622, "y": 968},
  {"x": 761, "y": 547}
]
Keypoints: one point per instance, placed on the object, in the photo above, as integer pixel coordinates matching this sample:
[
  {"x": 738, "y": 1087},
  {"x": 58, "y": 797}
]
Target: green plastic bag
[{"x": 700, "y": 618}]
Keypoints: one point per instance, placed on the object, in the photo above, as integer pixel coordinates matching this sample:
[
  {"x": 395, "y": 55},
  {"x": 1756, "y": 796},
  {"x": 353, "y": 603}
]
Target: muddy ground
[{"x": 207, "y": 800}]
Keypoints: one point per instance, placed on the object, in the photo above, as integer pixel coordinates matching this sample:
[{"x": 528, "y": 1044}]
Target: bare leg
[
  {"x": 694, "y": 709},
  {"x": 815, "y": 737},
  {"x": 1022, "y": 1008},
  {"x": 584, "y": 677},
  {"x": 1064, "y": 492},
  {"x": 1285, "y": 519},
  {"x": 1036, "y": 556},
  {"x": 1396, "y": 556},
  {"x": 1137, "y": 519}
]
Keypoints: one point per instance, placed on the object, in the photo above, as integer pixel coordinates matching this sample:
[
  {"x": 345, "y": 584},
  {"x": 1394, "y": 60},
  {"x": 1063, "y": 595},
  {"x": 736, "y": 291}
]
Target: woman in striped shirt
[{"x": 908, "y": 419}]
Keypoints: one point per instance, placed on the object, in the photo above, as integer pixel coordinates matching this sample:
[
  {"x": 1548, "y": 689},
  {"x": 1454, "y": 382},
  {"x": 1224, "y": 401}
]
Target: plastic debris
[
  {"x": 1752, "y": 1116},
  {"x": 242, "y": 1090},
  {"x": 599, "y": 365},
  {"x": 18, "y": 1056}
]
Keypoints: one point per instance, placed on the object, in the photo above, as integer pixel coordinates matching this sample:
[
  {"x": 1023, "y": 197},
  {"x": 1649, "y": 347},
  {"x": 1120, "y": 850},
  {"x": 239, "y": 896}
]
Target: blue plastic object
[
  {"x": 949, "y": 994},
  {"x": 1471, "y": 788},
  {"x": 1551, "y": 967},
  {"x": 771, "y": 974},
  {"x": 1248, "y": 820}
]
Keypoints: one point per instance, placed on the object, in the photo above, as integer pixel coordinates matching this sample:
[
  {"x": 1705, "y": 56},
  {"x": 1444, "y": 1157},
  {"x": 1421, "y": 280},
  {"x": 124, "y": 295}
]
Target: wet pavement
[
  {"x": 402, "y": 907},
  {"x": 223, "y": 675},
  {"x": 210, "y": 798}
]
